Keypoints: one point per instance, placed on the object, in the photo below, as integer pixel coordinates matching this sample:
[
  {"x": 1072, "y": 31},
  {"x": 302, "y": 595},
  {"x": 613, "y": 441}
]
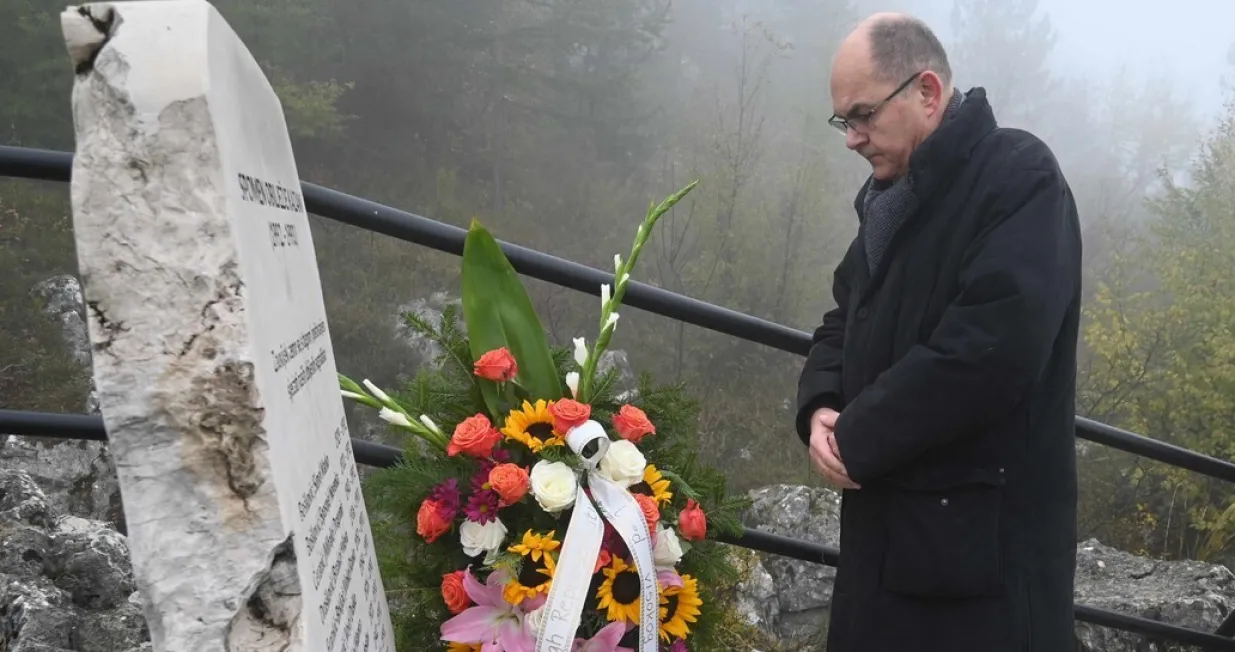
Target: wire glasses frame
[{"x": 861, "y": 122}]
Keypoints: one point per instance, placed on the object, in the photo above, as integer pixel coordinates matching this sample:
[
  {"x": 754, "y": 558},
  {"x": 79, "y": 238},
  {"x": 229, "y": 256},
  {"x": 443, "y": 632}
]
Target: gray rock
[
  {"x": 61, "y": 300},
  {"x": 797, "y": 610},
  {"x": 789, "y": 599},
  {"x": 1190, "y": 594},
  {"x": 78, "y": 477},
  {"x": 65, "y": 582}
]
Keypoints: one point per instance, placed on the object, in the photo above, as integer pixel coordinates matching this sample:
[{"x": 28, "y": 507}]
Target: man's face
[{"x": 883, "y": 120}]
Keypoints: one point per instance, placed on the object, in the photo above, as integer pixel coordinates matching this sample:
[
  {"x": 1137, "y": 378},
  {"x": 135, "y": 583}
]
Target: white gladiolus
[
  {"x": 377, "y": 393},
  {"x": 476, "y": 538},
  {"x": 604, "y": 294},
  {"x": 623, "y": 463},
  {"x": 572, "y": 381},
  {"x": 553, "y": 485},
  {"x": 352, "y": 395},
  {"x": 424, "y": 418},
  {"x": 625, "y": 279},
  {"x": 617, "y": 262},
  {"x": 612, "y": 321},
  {"x": 394, "y": 418},
  {"x": 581, "y": 352}
]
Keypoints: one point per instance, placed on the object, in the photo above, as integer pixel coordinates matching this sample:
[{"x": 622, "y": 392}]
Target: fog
[{"x": 555, "y": 122}]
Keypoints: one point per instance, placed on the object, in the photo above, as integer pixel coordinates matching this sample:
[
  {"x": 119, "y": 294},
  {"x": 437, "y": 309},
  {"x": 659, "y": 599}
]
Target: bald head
[
  {"x": 895, "y": 47},
  {"x": 890, "y": 85}
]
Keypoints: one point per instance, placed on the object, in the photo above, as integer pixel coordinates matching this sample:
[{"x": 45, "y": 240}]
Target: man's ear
[{"x": 930, "y": 89}]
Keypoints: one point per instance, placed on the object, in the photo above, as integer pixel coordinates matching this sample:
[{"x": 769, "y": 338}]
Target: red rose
[
  {"x": 569, "y": 413},
  {"x": 475, "y": 436},
  {"x": 429, "y": 521},
  {"x": 453, "y": 592},
  {"x": 692, "y": 522},
  {"x": 632, "y": 424},
  {"x": 497, "y": 365}
]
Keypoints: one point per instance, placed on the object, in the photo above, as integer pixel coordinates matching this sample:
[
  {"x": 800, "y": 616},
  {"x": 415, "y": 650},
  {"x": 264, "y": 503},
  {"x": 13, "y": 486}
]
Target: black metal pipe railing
[
  {"x": 376, "y": 455},
  {"x": 84, "y": 426},
  {"x": 372, "y": 216}
]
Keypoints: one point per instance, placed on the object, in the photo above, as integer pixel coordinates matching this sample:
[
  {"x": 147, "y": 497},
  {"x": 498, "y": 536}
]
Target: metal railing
[{"x": 372, "y": 216}]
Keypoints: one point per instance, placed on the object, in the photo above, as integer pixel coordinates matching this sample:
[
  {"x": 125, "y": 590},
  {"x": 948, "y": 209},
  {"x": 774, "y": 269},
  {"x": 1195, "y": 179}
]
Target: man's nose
[{"x": 853, "y": 139}]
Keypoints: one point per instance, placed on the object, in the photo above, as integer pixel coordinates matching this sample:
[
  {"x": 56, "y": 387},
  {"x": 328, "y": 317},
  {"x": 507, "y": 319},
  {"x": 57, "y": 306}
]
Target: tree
[
  {"x": 1004, "y": 46},
  {"x": 1163, "y": 350}
]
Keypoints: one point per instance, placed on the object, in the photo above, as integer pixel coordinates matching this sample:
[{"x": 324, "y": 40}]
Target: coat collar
[{"x": 943, "y": 152}]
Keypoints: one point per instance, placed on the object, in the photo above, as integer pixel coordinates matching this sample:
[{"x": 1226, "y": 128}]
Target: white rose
[
  {"x": 536, "y": 621},
  {"x": 554, "y": 485},
  {"x": 668, "y": 550},
  {"x": 477, "y": 538},
  {"x": 623, "y": 463}
]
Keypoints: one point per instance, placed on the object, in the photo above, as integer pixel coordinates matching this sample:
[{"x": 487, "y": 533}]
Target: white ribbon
[{"x": 581, "y": 545}]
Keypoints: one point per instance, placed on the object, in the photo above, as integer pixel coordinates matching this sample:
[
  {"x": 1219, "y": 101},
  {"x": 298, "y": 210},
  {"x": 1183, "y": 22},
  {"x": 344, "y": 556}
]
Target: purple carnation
[
  {"x": 446, "y": 495},
  {"x": 482, "y": 507}
]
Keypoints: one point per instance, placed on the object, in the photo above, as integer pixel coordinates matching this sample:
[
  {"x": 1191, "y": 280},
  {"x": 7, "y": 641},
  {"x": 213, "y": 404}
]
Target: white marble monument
[{"x": 211, "y": 349}]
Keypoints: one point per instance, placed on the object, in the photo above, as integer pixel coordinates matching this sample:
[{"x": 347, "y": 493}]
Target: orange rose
[
  {"x": 510, "y": 482},
  {"x": 497, "y": 365},
  {"x": 692, "y": 522},
  {"x": 632, "y": 424},
  {"x": 569, "y": 413},
  {"x": 475, "y": 436},
  {"x": 429, "y": 521},
  {"x": 453, "y": 592},
  {"x": 651, "y": 513}
]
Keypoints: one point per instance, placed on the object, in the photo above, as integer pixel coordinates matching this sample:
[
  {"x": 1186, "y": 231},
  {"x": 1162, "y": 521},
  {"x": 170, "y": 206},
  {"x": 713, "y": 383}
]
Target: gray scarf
[{"x": 888, "y": 203}]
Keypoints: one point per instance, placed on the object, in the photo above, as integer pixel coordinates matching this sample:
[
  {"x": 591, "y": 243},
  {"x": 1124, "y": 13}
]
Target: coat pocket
[{"x": 944, "y": 542}]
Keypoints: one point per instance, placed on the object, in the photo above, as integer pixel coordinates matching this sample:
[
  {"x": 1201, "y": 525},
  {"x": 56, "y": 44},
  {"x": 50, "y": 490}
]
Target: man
[{"x": 939, "y": 392}]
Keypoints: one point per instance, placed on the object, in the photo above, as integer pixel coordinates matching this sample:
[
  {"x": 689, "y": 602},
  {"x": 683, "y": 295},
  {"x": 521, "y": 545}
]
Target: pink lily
[
  {"x": 494, "y": 623},
  {"x": 606, "y": 640},
  {"x": 669, "y": 578}
]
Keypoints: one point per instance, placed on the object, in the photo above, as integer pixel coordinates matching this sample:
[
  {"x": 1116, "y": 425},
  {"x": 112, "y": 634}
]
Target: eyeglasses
[{"x": 861, "y": 123}]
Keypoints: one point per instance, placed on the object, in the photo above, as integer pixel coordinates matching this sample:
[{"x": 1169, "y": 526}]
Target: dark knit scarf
[{"x": 888, "y": 203}]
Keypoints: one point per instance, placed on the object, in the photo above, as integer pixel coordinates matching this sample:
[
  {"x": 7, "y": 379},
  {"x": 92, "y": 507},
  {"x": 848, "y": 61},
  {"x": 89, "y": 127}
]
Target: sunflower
[
  {"x": 533, "y": 426},
  {"x": 533, "y": 578},
  {"x": 618, "y": 595},
  {"x": 679, "y": 606},
  {"x": 655, "y": 485}
]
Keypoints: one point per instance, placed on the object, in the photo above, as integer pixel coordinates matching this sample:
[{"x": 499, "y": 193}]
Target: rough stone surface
[
  {"x": 1190, "y": 594},
  {"x": 78, "y": 477},
  {"x": 221, "y": 404},
  {"x": 65, "y": 582},
  {"x": 789, "y": 599}
]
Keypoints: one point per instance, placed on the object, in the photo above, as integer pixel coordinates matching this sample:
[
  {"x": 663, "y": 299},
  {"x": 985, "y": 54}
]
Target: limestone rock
[
  {"x": 1190, "y": 594},
  {"x": 789, "y": 599},
  {"x": 66, "y": 584}
]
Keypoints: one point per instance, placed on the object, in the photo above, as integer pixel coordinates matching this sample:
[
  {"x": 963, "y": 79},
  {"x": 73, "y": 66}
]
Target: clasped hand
[{"x": 824, "y": 452}]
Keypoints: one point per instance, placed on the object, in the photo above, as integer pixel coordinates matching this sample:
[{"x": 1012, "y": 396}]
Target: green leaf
[{"x": 498, "y": 313}]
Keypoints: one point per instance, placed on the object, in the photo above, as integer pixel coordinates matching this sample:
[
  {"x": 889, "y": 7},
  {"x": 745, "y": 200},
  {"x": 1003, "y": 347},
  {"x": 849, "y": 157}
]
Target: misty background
[{"x": 555, "y": 122}]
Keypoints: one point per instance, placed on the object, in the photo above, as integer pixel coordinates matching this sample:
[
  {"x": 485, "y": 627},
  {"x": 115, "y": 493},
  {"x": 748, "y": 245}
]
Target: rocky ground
[
  {"x": 790, "y": 598},
  {"x": 66, "y": 584}
]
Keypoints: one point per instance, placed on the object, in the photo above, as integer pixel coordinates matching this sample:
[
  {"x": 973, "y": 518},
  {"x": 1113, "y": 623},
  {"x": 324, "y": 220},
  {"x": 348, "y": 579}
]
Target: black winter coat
[{"x": 954, "y": 368}]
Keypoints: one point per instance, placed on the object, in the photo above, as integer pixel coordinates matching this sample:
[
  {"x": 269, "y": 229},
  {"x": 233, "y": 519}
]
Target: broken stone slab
[{"x": 210, "y": 347}]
